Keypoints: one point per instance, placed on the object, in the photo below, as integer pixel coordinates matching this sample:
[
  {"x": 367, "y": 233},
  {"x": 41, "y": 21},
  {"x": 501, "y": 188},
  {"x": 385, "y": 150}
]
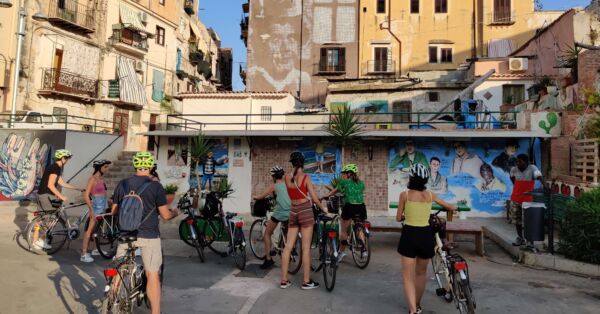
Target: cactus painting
[{"x": 550, "y": 123}]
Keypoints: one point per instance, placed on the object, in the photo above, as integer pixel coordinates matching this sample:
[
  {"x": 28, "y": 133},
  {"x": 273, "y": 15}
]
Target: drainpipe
[
  {"x": 389, "y": 29},
  {"x": 474, "y": 49},
  {"x": 300, "y": 54}
]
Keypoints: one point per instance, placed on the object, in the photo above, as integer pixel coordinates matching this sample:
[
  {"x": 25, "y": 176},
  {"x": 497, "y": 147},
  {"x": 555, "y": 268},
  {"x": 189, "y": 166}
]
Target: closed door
[
  {"x": 56, "y": 65},
  {"x": 381, "y": 58},
  {"x": 121, "y": 124},
  {"x": 152, "y": 127}
]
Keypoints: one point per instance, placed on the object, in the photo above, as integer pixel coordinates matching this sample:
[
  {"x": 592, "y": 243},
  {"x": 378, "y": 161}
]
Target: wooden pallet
[{"x": 585, "y": 161}]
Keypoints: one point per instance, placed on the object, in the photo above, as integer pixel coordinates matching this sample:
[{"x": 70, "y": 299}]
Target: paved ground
[{"x": 61, "y": 284}]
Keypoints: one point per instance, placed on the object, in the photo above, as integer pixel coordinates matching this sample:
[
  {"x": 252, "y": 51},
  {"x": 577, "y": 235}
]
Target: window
[
  {"x": 161, "y": 2},
  {"x": 441, "y": 6},
  {"x": 380, "y": 6},
  {"x": 433, "y": 96},
  {"x": 446, "y": 55},
  {"x": 33, "y": 117},
  {"x": 265, "y": 113},
  {"x": 401, "y": 110},
  {"x": 513, "y": 94},
  {"x": 60, "y": 114},
  {"x": 332, "y": 60},
  {"x": 502, "y": 12},
  {"x": 433, "y": 58},
  {"x": 160, "y": 36},
  {"x": 381, "y": 60},
  {"x": 414, "y": 6}
]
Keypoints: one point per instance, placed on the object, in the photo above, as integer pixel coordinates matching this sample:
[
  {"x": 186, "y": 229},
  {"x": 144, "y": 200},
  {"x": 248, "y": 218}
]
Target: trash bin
[{"x": 533, "y": 221}]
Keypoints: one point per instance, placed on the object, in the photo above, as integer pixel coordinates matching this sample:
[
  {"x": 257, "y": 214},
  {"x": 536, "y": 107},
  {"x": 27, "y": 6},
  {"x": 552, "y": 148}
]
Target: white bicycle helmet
[
  {"x": 277, "y": 171},
  {"x": 419, "y": 170}
]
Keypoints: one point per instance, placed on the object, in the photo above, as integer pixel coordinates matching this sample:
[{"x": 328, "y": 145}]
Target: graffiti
[
  {"x": 321, "y": 162},
  {"x": 22, "y": 165},
  {"x": 552, "y": 120},
  {"x": 220, "y": 154}
]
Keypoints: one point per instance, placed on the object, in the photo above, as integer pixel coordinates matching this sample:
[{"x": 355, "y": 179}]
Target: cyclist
[
  {"x": 97, "y": 201},
  {"x": 281, "y": 212},
  {"x": 299, "y": 187},
  {"x": 417, "y": 243},
  {"x": 148, "y": 235},
  {"x": 354, "y": 204},
  {"x": 49, "y": 190}
]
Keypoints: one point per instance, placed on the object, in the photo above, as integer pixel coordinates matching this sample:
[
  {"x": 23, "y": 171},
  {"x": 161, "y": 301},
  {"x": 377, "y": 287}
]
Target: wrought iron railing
[
  {"x": 325, "y": 67},
  {"x": 501, "y": 17},
  {"x": 130, "y": 38},
  {"x": 69, "y": 83},
  {"x": 381, "y": 66},
  {"x": 196, "y": 55},
  {"x": 73, "y": 12},
  {"x": 188, "y": 6}
]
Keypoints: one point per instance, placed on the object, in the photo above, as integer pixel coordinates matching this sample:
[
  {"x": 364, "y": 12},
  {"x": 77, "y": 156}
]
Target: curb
[{"x": 544, "y": 260}]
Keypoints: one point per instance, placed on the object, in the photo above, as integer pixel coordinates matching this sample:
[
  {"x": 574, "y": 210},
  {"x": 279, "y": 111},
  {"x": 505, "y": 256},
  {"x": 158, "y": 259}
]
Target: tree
[{"x": 345, "y": 129}]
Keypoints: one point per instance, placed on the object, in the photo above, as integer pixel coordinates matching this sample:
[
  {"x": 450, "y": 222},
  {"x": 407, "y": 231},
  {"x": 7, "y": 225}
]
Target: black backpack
[{"x": 211, "y": 205}]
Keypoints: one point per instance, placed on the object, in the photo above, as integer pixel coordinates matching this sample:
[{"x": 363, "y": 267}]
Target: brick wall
[
  {"x": 588, "y": 66},
  {"x": 267, "y": 152},
  {"x": 560, "y": 151}
]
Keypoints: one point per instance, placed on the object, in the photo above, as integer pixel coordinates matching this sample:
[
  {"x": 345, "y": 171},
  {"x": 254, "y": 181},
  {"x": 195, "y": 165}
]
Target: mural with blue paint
[
  {"x": 220, "y": 154},
  {"x": 476, "y": 171},
  {"x": 321, "y": 162}
]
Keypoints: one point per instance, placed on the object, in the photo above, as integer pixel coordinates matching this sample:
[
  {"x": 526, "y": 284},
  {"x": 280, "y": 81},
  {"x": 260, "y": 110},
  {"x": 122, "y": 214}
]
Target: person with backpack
[{"x": 139, "y": 201}]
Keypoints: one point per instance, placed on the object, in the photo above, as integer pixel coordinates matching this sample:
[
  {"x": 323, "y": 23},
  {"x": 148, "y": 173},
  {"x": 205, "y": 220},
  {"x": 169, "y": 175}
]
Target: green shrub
[
  {"x": 170, "y": 188},
  {"x": 580, "y": 228}
]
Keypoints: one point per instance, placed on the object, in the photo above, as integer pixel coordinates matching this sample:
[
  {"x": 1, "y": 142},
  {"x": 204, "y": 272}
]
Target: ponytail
[
  {"x": 354, "y": 178},
  {"x": 297, "y": 165}
]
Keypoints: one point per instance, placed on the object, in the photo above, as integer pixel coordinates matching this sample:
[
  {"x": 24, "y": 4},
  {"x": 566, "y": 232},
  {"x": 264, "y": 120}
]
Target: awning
[
  {"x": 130, "y": 18},
  {"x": 131, "y": 89}
]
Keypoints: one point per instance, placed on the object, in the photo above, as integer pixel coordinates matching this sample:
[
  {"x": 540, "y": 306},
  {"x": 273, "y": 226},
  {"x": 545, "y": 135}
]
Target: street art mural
[
  {"x": 23, "y": 158},
  {"x": 476, "y": 171},
  {"x": 321, "y": 162},
  {"x": 219, "y": 148}
]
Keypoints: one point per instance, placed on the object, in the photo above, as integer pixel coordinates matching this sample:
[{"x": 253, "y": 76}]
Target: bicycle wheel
[
  {"x": 53, "y": 230},
  {"x": 361, "y": 250},
  {"x": 30, "y": 230},
  {"x": 257, "y": 239},
  {"x": 316, "y": 251},
  {"x": 463, "y": 295},
  {"x": 216, "y": 236},
  {"x": 198, "y": 243},
  {"x": 442, "y": 276},
  {"x": 330, "y": 265},
  {"x": 296, "y": 257},
  {"x": 106, "y": 240},
  {"x": 118, "y": 301},
  {"x": 184, "y": 233},
  {"x": 239, "y": 249}
]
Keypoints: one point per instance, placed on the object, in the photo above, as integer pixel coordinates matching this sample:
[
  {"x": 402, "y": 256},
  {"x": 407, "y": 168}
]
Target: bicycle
[
  {"x": 189, "y": 231},
  {"x": 130, "y": 284},
  {"x": 53, "y": 227},
  {"x": 223, "y": 234},
  {"x": 106, "y": 235},
  {"x": 358, "y": 235},
  {"x": 279, "y": 239},
  {"x": 451, "y": 271},
  {"x": 324, "y": 247}
]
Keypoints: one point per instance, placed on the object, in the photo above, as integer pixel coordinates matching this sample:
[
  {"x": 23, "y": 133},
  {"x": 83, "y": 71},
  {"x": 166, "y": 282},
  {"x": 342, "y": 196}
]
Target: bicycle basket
[
  {"x": 211, "y": 205},
  {"x": 438, "y": 225},
  {"x": 334, "y": 204},
  {"x": 260, "y": 208}
]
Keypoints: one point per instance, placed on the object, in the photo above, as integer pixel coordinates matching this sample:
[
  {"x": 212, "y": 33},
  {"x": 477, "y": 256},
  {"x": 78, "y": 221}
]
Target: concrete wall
[{"x": 495, "y": 88}]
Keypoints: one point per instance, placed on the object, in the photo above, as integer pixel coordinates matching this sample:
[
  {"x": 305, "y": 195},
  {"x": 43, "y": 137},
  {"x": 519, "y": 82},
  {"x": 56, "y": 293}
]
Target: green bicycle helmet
[
  {"x": 350, "y": 168},
  {"x": 143, "y": 160},
  {"x": 62, "y": 153}
]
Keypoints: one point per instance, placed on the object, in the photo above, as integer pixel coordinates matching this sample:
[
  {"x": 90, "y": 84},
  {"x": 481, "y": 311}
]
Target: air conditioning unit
[
  {"x": 144, "y": 17},
  {"x": 139, "y": 66},
  {"x": 518, "y": 64},
  {"x": 383, "y": 126}
]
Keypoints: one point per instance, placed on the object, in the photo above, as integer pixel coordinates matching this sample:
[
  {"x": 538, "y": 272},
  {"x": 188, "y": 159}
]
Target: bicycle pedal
[{"x": 440, "y": 292}]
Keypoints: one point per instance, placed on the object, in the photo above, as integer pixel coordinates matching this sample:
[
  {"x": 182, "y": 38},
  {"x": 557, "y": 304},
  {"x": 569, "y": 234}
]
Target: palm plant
[
  {"x": 225, "y": 187},
  {"x": 198, "y": 151},
  {"x": 345, "y": 129}
]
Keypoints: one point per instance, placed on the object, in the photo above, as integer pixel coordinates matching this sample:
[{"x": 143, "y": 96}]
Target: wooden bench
[{"x": 466, "y": 227}]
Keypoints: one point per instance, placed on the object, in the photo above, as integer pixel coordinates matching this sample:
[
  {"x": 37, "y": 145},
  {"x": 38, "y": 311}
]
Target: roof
[
  {"x": 541, "y": 31},
  {"x": 369, "y": 134},
  {"x": 233, "y": 94},
  {"x": 514, "y": 76}
]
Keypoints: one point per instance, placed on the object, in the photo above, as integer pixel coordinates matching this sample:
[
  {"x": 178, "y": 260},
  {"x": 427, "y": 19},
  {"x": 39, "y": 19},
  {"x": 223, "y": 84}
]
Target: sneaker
[
  {"x": 87, "y": 258},
  {"x": 310, "y": 285},
  {"x": 519, "y": 241},
  {"x": 41, "y": 245},
  {"x": 95, "y": 253},
  {"x": 138, "y": 252},
  {"x": 419, "y": 310},
  {"x": 285, "y": 284},
  {"x": 341, "y": 256},
  {"x": 267, "y": 264}
]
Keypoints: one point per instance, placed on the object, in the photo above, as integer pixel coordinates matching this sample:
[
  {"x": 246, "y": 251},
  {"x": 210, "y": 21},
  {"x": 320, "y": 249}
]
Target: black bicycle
[
  {"x": 324, "y": 247},
  {"x": 189, "y": 230}
]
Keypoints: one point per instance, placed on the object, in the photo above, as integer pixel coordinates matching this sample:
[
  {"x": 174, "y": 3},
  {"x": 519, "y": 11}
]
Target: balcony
[
  {"x": 188, "y": 7},
  {"x": 246, "y": 7},
  {"x": 244, "y": 29},
  {"x": 380, "y": 67},
  {"x": 129, "y": 41},
  {"x": 331, "y": 69},
  {"x": 70, "y": 14},
  {"x": 501, "y": 17},
  {"x": 58, "y": 82},
  {"x": 196, "y": 55},
  {"x": 184, "y": 69},
  {"x": 243, "y": 73}
]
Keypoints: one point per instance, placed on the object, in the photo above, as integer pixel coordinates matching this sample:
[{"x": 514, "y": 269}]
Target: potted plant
[
  {"x": 225, "y": 188},
  {"x": 170, "y": 190}
]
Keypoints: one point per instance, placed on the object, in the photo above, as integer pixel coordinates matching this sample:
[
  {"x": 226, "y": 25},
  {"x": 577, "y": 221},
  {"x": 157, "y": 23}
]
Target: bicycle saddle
[
  {"x": 324, "y": 217},
  {"x": 449, "y": 246},
  {"x": 56, "y": 203},
  {"x": 230, "y": 215},
  {"x": 127, "y": 237}
]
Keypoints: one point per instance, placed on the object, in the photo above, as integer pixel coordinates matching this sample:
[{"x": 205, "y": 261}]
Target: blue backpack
[{"x": 131, "y": 209}]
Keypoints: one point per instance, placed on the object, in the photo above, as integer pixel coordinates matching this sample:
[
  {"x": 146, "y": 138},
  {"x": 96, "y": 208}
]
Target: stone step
[
  {"x": 126, "y": 155},
  {"x": 120, "y": 169}
]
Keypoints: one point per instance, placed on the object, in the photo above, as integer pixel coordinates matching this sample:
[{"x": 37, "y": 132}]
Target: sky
[{"x": 225, "y": 15}]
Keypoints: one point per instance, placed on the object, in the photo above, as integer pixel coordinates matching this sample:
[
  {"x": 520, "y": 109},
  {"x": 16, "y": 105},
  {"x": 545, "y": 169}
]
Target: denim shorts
[{"x": 99, "y": 204}]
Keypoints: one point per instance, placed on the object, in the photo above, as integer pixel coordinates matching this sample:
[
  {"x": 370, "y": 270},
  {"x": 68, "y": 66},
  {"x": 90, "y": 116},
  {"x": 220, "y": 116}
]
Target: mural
[
  {"x": 321, "y": 162},
  {"x": 23, "y": 158},
  {"x": 220, "y": 154},
  {"x": 476, "y": 171}
]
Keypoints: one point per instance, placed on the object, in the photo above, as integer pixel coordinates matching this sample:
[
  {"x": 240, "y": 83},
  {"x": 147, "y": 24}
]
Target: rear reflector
[
  {"x": 111, "y": 272},
  {"x": 239, "y": 224},
  {"x": 332, "y": 234},
  {"x": 460, "y": 265},
  {"x": 190, "y": 222},
  {"x": 99, "y": 218},
  {"x": 35, "y": 214},
  {"x": 367, "y": 225}
]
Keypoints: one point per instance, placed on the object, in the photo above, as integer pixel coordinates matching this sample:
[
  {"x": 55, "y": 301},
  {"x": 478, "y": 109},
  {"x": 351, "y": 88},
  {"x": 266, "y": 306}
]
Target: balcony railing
[
  {"x": 69, "y": 83},
  {"x": 501, "y": 17},
  {"x": 246, "y": 7},
  {"x": 381, "y": 67},
  {"x": 243, "y": 73},
  {"x": 327, "y": 68},
  {"x": 196, "y": 55},
  {"x": 72, "y": 14},
  {"x": 130, "y": 38},
  {"x": 188, "y": 7}
]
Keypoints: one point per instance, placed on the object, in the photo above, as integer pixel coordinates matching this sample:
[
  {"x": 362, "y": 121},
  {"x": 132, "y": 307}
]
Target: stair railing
[{"x": 94, "y": 158}]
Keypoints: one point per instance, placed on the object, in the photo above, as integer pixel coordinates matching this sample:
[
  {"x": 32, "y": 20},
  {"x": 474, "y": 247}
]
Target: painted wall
[{"x": 495, "y": 89}]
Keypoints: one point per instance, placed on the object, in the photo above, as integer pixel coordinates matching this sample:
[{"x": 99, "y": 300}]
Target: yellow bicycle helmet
[
  {"x": 350, "y": 168},
  {"x": 62, "y": 153},
  {"x": 143, "y": 160}
]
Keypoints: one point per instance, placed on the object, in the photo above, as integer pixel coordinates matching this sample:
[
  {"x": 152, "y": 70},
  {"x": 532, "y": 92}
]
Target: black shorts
[
  {"x": 275, "y": 220},
  {"x": 350, "y": 211},
  {"x": 417, "y": 242}
]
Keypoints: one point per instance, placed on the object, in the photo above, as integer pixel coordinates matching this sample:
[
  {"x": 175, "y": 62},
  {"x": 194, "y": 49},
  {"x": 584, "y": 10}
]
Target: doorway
[{"x": 121, "y": 124}]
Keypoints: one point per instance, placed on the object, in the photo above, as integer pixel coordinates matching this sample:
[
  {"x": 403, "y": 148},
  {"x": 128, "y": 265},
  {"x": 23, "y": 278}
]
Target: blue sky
[{"x": 225, "y": 15}]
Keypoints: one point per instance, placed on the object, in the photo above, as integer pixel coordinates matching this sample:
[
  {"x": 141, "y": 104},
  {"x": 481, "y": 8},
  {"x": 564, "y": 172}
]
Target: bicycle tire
[
  {"x": 441, "y": 274},
  {"x": 296, "y": 257},
  {"x": 29, "y": 233},
  {"x": 464, "y": 297},
  {"x": 239, "y": 249},
  {"x": 256, "y": 238},
  {"x": 359, "y": 246},
  {"x": 329, "y": 265},
  {"x": 106, "y": 240},
  {"x": 316, "y": 251},
  {"x": 56, "y": 238},
  {"x": 198, "y": 244},
  {"x": 111, "y": 297},
  {"x": 216, "y": 232},
  {"x": 183, "y": 235}
]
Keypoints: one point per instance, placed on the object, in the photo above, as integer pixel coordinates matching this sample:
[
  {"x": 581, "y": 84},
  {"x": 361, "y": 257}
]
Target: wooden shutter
[{"x": 341, "y": 66}]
